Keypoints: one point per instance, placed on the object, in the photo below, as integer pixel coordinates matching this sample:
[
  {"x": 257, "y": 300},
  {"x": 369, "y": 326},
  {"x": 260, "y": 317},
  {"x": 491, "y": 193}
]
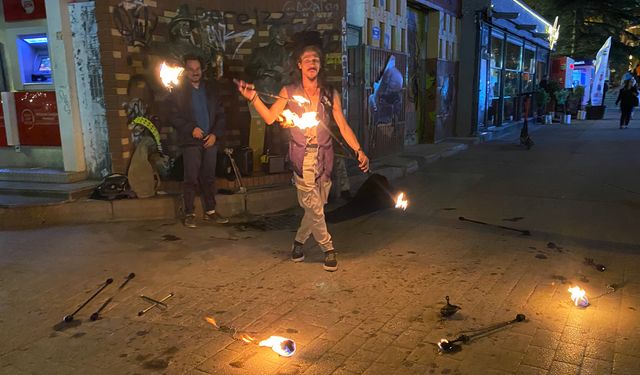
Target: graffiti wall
[
  {"x": 441, "y": 100},
  {"x": 235, "y": 40}
]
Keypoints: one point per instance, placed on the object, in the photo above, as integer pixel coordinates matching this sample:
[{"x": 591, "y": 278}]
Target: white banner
[{"x": 600, "y": 74}]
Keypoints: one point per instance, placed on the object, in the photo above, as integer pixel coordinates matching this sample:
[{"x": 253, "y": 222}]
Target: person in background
[
  {"x": 198, "y": 117},
  {"x": 627, "y": 98}
]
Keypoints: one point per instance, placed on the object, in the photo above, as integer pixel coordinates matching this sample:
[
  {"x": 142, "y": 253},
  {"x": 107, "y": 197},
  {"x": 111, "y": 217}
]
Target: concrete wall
[{"x": 90, "y": 88}]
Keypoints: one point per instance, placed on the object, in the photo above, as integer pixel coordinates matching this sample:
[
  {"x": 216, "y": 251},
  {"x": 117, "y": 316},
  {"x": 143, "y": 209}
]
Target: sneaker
[
  {"x": 214, "y": 216},
  {"x": 330, "y": 261},
  {"x": 296, "y": 252},
  {"x": 190, "y": 221}
]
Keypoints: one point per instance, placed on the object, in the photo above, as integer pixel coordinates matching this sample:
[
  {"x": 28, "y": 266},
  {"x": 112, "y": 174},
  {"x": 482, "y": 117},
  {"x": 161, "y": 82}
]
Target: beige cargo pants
[{"x": 312, "y": 196}]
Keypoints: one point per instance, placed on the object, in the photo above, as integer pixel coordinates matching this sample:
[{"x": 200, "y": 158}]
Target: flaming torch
[
  {"x": 170, "y": 76},
  {"x": 308, "y": 119},
  {"x": 281, "y": 345},
  {"x": 579, "y": 296},
  {"x": 401, "y": 202}
]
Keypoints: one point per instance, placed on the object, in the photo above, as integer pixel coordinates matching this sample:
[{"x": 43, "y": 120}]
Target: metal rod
[
  {"x": 69, "y": 317},
  {"x": 96, "y": 314},
  {"x": 142, "y": 312},
  {"x": 265, "y": 93},
  {"x": 521, "y": 231},
  {"x": 127, "y": 279},
  {"x": 153, "y": 300}
]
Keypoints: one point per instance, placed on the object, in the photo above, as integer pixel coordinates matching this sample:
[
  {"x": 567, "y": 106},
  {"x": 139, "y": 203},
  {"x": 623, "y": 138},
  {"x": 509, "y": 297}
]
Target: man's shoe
[
  {"x": 214, "y": 216},
  {"x": 330, "y": 261},
  {"x": 190, "y": 221},
  {"x": 296, "y": 252}
]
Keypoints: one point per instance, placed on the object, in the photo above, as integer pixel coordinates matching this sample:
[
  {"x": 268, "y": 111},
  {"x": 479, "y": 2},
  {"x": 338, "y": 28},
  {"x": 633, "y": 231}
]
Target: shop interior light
[{"x": 36, "y": 40}]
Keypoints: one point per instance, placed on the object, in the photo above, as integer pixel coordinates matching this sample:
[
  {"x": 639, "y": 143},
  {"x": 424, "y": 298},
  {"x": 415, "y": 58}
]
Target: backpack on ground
[{"x": 114, "y": 186}]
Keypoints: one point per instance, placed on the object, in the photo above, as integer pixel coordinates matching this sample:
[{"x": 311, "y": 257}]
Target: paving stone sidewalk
[{"x": 379, "y": 313}]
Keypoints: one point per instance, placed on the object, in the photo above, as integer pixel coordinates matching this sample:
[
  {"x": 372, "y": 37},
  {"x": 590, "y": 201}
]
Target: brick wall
[{"x": 131, "y": 70}]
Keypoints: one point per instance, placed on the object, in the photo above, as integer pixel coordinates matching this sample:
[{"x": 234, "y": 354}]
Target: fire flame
[
  {"x": 401, "y": 202},
  {"x": 283, "y": 346},
  {"x": 211, "y": 321},
  {"x": 579, "y": 296},
  {"x": 169, "y": 75},
  {"x": 308, "y": 119},
  {"x": 301, "y": 99}
]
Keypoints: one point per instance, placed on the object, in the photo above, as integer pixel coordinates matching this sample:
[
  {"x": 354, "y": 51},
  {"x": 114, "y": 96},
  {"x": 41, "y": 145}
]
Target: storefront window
[
  {"x": 542, "y": 57},
  {"x": 529, "y": 60},
  {"x": 493, "y": 91},
  {"x": 497, "y": 44},
  {"x": 514, "y": 55},
  {"x": 511, "y": 91}
]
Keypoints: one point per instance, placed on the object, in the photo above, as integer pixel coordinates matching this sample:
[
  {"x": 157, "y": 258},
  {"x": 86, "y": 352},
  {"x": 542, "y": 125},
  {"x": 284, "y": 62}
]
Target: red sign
[
  {"x": 21, "y": 10},
  {"x": 3, "y": 134},
  {"x": 38, "y": 118}
]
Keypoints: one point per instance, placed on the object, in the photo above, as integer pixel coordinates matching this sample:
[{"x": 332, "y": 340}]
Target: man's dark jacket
[{"x": 183, "y": 118}]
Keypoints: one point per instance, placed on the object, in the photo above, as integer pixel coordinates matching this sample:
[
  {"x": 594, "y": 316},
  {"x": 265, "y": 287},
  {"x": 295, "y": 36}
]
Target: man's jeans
[{"x": 199, "y": 171}]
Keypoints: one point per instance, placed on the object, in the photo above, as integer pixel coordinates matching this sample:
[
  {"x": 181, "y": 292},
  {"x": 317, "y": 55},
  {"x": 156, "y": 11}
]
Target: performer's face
[
  {"x": 193, "y": 70},
  {"x": 309, "y": 64}
]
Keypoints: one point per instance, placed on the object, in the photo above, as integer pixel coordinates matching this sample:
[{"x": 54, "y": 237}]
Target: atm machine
[
  {"x": 34, "y": 60},
  {"x": 31, "y": 114}
]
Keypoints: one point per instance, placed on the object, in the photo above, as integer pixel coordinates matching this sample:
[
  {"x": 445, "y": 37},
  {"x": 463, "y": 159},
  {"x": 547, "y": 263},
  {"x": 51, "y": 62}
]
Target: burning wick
[
  {"x": 401, "y": 202},
  {"x": 281, "y": 345},
  {"x": 579, "y": 296},
  {"x": 170, "y": 76},
  {"x": 308, "y": 119}
]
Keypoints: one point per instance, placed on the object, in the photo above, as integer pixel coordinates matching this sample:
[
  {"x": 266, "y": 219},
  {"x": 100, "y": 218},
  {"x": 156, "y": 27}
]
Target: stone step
[
  {"x": 60, "y": 191},
  {"x": 37, "y": 174}
]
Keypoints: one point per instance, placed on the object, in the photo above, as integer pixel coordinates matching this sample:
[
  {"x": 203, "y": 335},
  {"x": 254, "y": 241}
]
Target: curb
[{"x": 168, "y": 207}]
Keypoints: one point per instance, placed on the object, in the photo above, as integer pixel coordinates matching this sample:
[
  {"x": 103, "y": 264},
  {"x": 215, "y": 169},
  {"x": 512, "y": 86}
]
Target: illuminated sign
[{"x": 554, "y": 33}]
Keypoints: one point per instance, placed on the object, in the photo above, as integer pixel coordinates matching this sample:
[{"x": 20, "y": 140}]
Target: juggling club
[{"x": 69, "y": 317}]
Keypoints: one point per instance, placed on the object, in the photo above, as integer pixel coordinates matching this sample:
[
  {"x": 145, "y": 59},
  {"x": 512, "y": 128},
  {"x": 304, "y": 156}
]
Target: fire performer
[
  {"x": 198, "y": 117},
  {"x": 310, "y": 149}
]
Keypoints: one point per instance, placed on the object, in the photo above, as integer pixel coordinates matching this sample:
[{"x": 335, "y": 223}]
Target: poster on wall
[
  {"x": 22, "y": 10},
  {"x": 38, "y": 118}
]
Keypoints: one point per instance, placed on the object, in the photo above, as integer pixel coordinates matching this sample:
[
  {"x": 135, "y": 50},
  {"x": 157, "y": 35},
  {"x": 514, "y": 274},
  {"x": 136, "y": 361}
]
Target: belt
[{"x": 312, "y": 145}]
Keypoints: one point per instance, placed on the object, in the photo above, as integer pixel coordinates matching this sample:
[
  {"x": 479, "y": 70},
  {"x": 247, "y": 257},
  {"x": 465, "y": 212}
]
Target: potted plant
[
  {"x": 578, "y": 96},
  {"x": 542, "y": 100},
  {"x": 552, "y": 88},
  {"x": 561, "y": 101}
]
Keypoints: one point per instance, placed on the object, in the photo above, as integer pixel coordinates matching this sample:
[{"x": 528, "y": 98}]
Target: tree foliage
[{"x": 586, "y": 25}]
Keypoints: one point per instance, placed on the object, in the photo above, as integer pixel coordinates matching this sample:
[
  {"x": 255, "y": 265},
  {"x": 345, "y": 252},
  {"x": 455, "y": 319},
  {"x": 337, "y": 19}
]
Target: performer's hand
[
  {"x": 248, "y": 90},
  {"x": 363, "y": 161},
  {"x": 209, "y": 140},
  {"x": 197, "y": 133}
]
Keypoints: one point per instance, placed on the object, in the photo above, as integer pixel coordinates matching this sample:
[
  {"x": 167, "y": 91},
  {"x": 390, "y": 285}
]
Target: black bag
[
  {"x": 114, "y": 186},
  {"x": 244, "y": 159},
  {"x": 223, "y": 167}
]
